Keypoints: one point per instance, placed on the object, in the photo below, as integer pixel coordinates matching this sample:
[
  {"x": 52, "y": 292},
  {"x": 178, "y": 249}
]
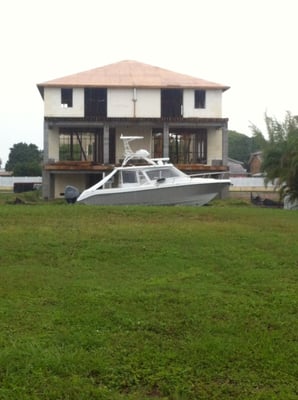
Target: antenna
[
  {"x": 126, "y": 139},
  {"x": 128, "y": 153}
]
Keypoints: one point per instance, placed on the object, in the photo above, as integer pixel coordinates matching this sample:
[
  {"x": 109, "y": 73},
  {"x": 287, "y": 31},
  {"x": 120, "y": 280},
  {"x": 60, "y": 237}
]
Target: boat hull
[{"x": 187, "y": 194}]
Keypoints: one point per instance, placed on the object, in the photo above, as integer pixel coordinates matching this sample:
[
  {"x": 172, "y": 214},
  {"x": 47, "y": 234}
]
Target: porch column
[
  {"x": 106, "y": 144},
  {"x": 165, "y": 139}
]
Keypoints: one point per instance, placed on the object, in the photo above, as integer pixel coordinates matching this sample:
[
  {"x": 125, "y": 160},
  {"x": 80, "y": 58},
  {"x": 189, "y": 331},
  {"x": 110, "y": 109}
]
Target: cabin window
[
  {"x": 66, "y": 98},
  {"x": 142, "y": 178},
  {"x": 161, "y": 173},
  {"x": 200, "y": 98},
  {"x": 129, "y": 177}
]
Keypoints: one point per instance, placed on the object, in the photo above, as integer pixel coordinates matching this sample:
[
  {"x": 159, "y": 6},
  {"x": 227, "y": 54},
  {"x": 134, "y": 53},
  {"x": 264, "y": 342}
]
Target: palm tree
[{"x": 280, "y": 155}]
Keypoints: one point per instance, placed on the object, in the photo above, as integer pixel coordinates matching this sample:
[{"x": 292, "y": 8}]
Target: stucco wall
[
  {"x": 53, "y": 144},
  {"x": 52, "y": 103},
  {"x": 213, "y": 107},
  {"x": 214, "y": 145},
  {"x": 129, "y": 103},
  {"x": 62, "y": 180},
  {"x": 120, "y": 103}
]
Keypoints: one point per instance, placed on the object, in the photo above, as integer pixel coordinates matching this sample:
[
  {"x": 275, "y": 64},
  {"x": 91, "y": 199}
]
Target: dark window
[
  {"x": 200, "y": 98},
  {"x": 95, "y": 102},
  {"x": 66, "y": 98},
  {"x": 157, "y": 135},
  {"x": 171, "y": 103},
  {"x": 129, "y": 177},
  {"x": 188, "y": 146},
  {"x": 112, "y": 146}
]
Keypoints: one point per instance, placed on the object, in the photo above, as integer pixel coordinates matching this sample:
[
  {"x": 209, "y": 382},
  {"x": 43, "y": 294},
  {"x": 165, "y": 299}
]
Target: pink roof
[{"x": 131, "y": 74}]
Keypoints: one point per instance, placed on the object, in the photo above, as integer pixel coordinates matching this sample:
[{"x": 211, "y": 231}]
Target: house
[
  {"x": 179, "y": 116},
  {"x": 236, "y": 168},
  {"x": 255, "y": 162}
]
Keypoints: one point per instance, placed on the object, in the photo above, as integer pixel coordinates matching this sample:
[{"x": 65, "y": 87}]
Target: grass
[{"x": 145, "y": 303}]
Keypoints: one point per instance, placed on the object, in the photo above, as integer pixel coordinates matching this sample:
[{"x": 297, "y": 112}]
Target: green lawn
[{"x": 148, "y": 303}]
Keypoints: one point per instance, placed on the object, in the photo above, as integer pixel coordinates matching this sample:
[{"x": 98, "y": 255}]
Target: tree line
[{"x": 25, "y": 160}]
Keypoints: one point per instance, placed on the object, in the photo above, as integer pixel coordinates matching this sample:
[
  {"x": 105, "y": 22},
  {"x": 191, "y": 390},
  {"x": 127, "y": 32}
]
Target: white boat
[{"x": 151, "y": 181}]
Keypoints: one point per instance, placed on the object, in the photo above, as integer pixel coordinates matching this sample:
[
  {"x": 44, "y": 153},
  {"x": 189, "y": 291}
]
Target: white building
[{"x": 84, "y": 115}]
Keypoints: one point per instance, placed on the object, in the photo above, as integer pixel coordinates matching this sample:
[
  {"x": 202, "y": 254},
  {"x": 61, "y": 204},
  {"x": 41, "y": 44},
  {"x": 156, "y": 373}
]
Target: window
[
  {"x": 81, "y": 145},
  {"x": 171, "y": 103},
  {"x": 95, "y": 103},
  {"x": 129, "y": 177},
  {"x": 157, "y": 135},
  {"x": 188, "y": 146},
  {"x": 162, "y": 173},
  {"x": 66, "y": 98},
  {"x": 200, "y": 98}
]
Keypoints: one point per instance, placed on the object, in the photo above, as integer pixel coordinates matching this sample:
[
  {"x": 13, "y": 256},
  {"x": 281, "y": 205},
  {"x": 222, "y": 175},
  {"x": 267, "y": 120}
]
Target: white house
[{"x": 179, "y": 117}]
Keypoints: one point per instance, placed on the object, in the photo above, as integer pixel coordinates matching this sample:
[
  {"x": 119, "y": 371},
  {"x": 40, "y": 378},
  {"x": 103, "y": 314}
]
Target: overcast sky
[{"x": 249, "y": 45}]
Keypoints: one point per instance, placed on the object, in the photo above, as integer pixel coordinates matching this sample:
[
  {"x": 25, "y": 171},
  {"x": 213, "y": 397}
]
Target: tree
[
  {"x": 258, "y": 141},
  {"x": 280, "y": 155},
  {"x": 24, "y": 160},
  {"x": 241, "y": 146}
]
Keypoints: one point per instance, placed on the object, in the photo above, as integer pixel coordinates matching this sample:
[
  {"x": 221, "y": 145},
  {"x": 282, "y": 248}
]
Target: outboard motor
[{"x": 71, "y": 194}]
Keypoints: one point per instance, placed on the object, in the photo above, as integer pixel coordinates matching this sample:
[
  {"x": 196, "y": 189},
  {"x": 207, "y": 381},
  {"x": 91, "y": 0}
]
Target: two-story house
[{"x": 179, "y": 116}]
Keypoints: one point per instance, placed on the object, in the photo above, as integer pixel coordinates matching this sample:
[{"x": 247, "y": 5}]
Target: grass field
[{"x": 147, "y": 303}]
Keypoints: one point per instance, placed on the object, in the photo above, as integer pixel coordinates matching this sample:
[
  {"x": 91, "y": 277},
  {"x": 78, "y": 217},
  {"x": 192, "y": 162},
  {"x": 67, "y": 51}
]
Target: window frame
[
  {"x": 66, "y": 97},
  {"x": 200, "y": 98}
]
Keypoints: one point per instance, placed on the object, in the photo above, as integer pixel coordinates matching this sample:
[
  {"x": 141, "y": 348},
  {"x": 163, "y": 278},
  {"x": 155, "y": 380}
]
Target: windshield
[{"x": 161, "y": 173}]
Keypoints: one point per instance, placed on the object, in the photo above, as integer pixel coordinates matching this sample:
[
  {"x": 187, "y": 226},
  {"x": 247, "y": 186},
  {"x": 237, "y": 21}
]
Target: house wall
[
  {"x": 255, "y": 165},
  {"x": 213, "y": 107},
  {"x": 214, "y": 145},
  {"x": 121, "y": 103},
  {"x": 53, "y": 144},
  {"x": 52, "y": 103},
  {"x": 62, "y": 180}
]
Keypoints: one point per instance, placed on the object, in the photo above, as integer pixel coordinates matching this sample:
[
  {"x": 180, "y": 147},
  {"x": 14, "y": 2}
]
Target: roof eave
[{"x": 128, "y": 86}]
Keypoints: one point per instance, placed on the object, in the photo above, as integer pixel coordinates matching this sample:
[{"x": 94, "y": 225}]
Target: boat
[{"x": 141, "y": 180}]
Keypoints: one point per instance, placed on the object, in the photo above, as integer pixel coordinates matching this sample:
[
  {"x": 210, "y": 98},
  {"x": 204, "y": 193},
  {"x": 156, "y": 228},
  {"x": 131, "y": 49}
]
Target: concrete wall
[
  {"x": 130, "y": 102},
  {"x": 213, "y": 107},
  {"x": 214, "y": 145},
  {"x": 7, "y": 182},
  {"x": 244, "y": 187},
  {"x": 62, "y": 180},
  {"x": 52, "y": 103},
  {"x": 53, "y": 144}
]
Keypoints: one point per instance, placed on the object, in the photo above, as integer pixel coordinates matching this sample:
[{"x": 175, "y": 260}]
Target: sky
[{"x": 248, "y": 45}]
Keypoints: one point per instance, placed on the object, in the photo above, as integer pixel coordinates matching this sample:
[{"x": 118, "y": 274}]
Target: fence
[{"x": 8, "y": 183}]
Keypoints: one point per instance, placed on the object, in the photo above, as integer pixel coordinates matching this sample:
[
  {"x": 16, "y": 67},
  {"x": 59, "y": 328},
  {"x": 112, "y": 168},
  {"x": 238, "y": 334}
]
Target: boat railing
[
  {"x": 161, "y": 161},
  {"x": 219, "y": 174}
]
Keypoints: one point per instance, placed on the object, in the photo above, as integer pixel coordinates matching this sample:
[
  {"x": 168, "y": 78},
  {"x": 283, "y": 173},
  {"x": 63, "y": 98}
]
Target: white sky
[{"x": 249, "y": 45}]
